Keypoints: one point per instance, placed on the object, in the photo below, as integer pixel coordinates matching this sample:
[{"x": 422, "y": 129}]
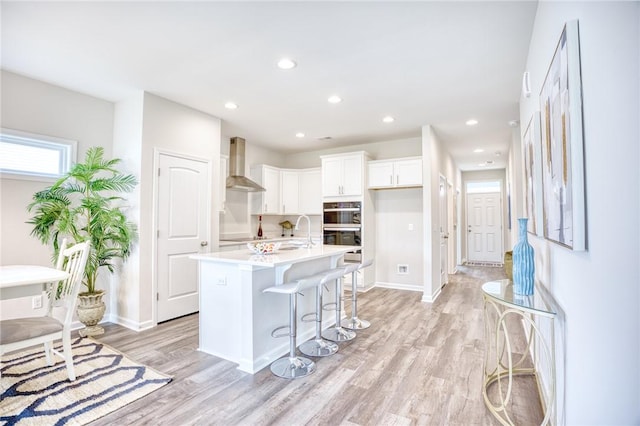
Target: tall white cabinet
[
  {"x": 310, "y": 191},
  {"x": 344, "y": 177}
]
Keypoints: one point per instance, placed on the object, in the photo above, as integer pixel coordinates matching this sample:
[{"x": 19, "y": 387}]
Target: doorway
[
  {"x": 183, "y": 212},
  {"x": 484, "y": 222}
]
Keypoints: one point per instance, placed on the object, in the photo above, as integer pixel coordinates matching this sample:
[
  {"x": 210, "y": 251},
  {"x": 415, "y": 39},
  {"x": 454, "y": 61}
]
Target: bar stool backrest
[
  {"x": 366, "y": 263},
  {"x": 320, "y": 278}
]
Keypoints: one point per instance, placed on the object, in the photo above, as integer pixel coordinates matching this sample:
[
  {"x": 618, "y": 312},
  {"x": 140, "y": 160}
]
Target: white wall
[
  {"x": 598, "y": 290},
  {"x": 436, "y": 161},
  {"x": 377, "y": 151},
  {"x": 172, "y": 127},
  {"x": 395, "y": 243},
  {"x": 37, "y": 107},
  {"x": 127, "y": 144}
]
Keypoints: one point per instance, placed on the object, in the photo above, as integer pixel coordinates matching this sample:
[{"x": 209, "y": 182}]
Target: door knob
[{"x": 204, "y": 243}]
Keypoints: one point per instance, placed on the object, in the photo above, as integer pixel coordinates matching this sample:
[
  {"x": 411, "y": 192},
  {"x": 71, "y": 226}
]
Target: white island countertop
[
  {"x": 281, "y": 257},
  {"x": 236, "y": 315}
]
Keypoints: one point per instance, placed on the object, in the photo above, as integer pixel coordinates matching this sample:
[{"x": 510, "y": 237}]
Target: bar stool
[
  {"x": 291, "y": 367},
  {"x": 319, "y": 346},
  {"x": 355, "y": 323},
  {"x": 338, "y": 333}
]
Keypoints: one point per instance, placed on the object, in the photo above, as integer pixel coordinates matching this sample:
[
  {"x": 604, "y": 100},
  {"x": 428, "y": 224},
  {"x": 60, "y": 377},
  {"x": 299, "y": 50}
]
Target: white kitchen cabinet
[
  {"x": 222, "y": 188},
  {"x": 289, "y": 192},
  {"x": 342, "y": 175},
  {"x": 397, "y": 173},
  {"x": 268, "y": 201},
  {"x": 310, "y": 191}
]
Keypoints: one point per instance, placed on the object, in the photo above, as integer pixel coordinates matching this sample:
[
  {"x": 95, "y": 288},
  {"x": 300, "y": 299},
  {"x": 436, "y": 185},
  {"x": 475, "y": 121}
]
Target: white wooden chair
[{"x": 22, "y": 333}]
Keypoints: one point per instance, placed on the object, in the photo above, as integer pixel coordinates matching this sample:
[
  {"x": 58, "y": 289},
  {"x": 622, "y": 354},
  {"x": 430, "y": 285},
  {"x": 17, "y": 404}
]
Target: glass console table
[{"x": 506, "y": 356}]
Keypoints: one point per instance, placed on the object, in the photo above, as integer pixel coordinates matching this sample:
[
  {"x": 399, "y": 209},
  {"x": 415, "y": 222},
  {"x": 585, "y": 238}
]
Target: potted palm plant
[{"x": 85, "y": 204}]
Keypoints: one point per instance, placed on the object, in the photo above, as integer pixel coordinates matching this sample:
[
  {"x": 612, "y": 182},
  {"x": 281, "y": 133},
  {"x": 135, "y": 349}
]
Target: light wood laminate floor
[{"x": 418, "y": 364}]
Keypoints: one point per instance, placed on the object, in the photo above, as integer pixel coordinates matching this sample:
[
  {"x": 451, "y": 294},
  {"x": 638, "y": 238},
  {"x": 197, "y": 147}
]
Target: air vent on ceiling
[{"x": 325, "y": 138}]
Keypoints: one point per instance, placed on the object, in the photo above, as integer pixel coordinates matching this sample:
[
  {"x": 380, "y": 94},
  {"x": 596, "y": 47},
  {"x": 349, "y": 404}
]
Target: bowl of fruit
[{"x": 260, "y": 247}]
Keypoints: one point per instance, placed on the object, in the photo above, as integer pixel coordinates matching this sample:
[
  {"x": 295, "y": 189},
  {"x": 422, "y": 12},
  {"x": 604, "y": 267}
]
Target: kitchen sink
[{"x": 290, "y": 248}]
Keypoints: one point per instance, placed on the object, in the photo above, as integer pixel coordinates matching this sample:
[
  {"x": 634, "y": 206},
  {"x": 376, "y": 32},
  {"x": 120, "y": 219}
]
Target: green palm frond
[{"x": 84, "y": 204}]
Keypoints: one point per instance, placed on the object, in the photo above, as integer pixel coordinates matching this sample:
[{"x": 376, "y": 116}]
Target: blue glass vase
[{"x": 523, "y": 265}]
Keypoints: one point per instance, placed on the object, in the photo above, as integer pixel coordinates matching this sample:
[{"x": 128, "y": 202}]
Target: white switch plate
[
  {"x": 411, "y": 227},
  {"x": 36, "y": 302},
  {"x": 222, "y": 281}
]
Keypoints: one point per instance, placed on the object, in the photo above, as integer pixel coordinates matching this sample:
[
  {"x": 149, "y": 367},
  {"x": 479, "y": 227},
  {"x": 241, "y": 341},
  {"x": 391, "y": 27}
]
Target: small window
[
  {"x": 30, "y": 156},
  {"x": 479, "y": 187}
]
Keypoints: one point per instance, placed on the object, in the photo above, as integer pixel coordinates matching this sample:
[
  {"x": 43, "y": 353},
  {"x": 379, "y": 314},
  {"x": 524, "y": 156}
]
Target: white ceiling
[{"x": 438, "y": 63}]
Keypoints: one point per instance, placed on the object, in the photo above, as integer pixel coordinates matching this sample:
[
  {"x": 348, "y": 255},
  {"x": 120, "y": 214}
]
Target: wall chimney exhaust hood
[{"x": 237, "y": 181}]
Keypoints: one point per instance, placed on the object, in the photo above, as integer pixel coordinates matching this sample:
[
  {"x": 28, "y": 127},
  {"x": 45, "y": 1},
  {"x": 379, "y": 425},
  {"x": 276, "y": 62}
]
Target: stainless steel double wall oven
[{"x": 342, "y": 225}]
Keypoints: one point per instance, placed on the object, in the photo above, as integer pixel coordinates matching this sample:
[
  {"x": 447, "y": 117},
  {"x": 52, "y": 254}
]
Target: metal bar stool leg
[
  {"x": 291, "y": 367},
  {"x": 318, "y": 346},
  {"x": 338, "y": 333},
  {"x": 355, "y": 323}
]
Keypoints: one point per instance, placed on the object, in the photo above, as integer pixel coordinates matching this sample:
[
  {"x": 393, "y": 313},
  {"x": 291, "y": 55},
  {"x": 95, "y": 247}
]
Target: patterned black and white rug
[{"x": 33, "y": 393}]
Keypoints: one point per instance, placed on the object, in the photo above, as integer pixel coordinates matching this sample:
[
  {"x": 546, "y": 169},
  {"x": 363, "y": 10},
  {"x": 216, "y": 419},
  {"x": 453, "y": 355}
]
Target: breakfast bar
[{"x": 237, "y": 318}]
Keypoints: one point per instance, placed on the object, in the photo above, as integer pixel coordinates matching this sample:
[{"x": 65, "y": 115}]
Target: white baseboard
[
  {"x": 396, "y": 286},
  {"x": 132, "y": 325},
  {"x": 431, "y": 298}
]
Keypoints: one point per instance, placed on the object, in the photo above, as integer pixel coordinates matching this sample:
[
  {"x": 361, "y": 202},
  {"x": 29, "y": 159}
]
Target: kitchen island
[{"x": 237, "y": 318}]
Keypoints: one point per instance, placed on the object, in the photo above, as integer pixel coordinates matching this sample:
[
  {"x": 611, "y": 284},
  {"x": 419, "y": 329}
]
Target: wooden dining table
[{"x": 27, "y": 280}]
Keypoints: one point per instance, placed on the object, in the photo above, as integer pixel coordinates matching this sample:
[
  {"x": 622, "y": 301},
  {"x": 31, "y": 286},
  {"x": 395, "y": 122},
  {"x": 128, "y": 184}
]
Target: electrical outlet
[
  {"x": 222, "y": 281},
  {"x": 403, "y": 269},
  {"x": 36, "y": 302}
]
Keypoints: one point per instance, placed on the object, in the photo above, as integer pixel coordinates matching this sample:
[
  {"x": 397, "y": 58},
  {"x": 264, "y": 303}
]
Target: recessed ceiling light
[
  {"x": 299, "y": 135},
  {"x": 388, "y": 119},
  {"x": 286, "y": 64},
  {"x": 482, "y": 164},
  {"x": 471, "y": 122},
  {"x": 334, "y": 99},
  {"x": 231, "y": 105},
  {"x": 478, "y": 150}
]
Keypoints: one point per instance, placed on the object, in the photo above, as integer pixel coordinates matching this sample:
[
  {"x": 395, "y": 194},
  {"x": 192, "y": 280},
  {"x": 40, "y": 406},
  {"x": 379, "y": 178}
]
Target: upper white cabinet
[
  {"x": 266, "y": 202},
  {"x": 397, "y": 173},
  {"x": 289, "y": 192},
  {"x": 343, "y": 174},
  {"x": 310, "y": 191}
]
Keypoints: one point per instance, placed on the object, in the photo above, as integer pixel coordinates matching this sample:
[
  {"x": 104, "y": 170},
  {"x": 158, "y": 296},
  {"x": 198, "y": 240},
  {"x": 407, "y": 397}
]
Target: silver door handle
[{"x": 204, "y": 243}]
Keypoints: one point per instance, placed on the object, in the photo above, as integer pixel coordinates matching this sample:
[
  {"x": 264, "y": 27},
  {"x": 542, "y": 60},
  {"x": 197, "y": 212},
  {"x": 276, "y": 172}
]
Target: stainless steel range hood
[{"x": 237, "y": 181}]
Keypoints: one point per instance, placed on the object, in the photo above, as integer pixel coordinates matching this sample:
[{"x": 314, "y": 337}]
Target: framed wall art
[
  {"x": 533, "y": 174},
  {"x": 563, "y": 220}
]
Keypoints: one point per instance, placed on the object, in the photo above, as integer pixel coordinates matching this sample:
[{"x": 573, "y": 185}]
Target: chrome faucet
[{"x": 309, "y": 240}]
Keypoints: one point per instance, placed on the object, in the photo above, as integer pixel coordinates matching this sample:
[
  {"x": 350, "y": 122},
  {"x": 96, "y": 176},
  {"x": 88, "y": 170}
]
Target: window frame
[{"x": 67, "y": 147}]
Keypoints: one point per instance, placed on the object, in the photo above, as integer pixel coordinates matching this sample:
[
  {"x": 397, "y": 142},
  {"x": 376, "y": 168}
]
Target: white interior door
[
  {"x": 484, "y": 227},
  {"x": 184, "y": 205},
  {"x": 444, "y": 232}
]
